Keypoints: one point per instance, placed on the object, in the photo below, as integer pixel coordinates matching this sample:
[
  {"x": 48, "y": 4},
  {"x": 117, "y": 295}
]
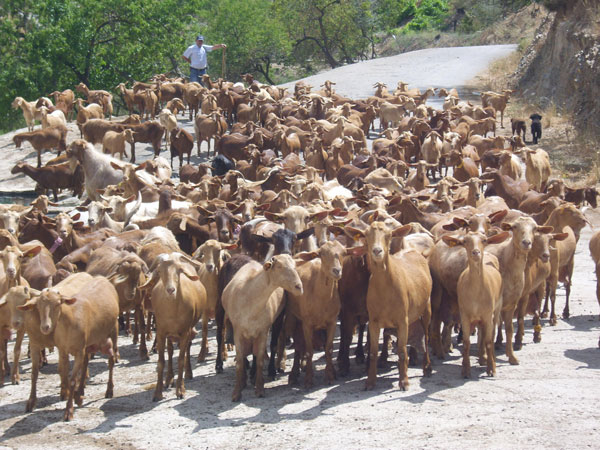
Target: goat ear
[
  {"x": 497, "y": 238},
  {"x": 459, "y": 222},
  {"x": 115, "y": 166},
  {"x": 306, "y": 256},
  {"x": 335, "y": 229},
  {"x": 3, "y": 300},
  {"x": 395, "y": 200},
  {"x": 498, "y": 215},
  {"x": 262, "y": 239},
  {"x": 192, "y": 276},
  {"x": 264, "y": 206},
  {"x": 451, "y": 241},
  {"x": 450, "y": 227},
  {"x": 32, "y": 251},
  {"x": 205, "y": 212},
  {"x": 544, "y": 229},
  {"x": 402, "y": 231},
  {"x": 560, "y": 236},
  {"x": 78, "y": 225},
  {"x": 228, "y": 246},
  {"x": 273, "y": 217},
  {"x": 68, "y": 300},
  {"x": 81, "y": 208},
  {"x": 506, "y": 226},
  {"x": 355, "y": 233},
  {"x": 268, "y": 265},
  {"x": 75, "y": 217},
  {"x": 306, "y": 233},
  {"x": 317, "y": 217},
  {"x": 29, "y": 305}
]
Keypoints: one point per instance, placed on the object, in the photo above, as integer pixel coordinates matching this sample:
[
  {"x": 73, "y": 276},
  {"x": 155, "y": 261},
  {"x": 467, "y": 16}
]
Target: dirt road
[{"x": 549, "y": 400}]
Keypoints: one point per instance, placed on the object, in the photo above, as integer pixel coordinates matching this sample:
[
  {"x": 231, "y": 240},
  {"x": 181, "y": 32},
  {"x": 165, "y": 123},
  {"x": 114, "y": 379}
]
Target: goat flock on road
[{"x": 295, "y": 226}]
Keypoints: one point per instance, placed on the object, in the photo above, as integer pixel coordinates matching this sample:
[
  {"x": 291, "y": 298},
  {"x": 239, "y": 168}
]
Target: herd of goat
[{"x": 295, "y": 225}]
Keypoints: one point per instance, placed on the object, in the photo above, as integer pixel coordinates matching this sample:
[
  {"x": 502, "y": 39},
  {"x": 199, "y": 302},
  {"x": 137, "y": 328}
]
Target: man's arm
[
  {"x": 218, "y": 46},
  {"x": 187, "y": 55}
]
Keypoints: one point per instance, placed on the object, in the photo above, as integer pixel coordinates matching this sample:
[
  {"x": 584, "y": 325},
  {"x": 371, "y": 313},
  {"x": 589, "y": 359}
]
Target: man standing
[{"x": 195, "y": 55}]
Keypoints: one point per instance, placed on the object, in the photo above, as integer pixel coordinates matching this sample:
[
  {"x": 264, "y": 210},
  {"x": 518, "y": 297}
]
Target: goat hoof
[
  {"x": 427, "y": 371},
  {"x": 403, "y": 384},
  {"x": 553, "y": 321},
  {"x": 565, "y": 314},
  {"x": 517, "y": 346},
  {"x": 30, "y": 405},
  {"x": 513, "y": 361}
]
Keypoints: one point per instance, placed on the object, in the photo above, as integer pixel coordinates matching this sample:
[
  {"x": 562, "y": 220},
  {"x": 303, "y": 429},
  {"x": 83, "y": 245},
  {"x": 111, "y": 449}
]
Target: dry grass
[{"x": 496, "y": 77}]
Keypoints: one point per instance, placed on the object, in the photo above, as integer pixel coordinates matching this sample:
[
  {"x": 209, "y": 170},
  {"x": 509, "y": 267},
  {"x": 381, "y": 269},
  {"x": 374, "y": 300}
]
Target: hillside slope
[{"x": 563, "y": 64}]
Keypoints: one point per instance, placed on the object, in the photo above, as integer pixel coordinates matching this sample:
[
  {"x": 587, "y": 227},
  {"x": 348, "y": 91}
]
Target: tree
[
  {"x": 255, "y": 38},
  {"x": 335, "y": 30}
]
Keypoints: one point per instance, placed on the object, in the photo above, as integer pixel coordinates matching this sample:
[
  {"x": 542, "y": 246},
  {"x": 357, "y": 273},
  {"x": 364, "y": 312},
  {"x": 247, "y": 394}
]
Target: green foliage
[
  {"x": 413, "y": 15},
  {"x": 255, "y": 38},
  {"x": 333, "y": 31}
]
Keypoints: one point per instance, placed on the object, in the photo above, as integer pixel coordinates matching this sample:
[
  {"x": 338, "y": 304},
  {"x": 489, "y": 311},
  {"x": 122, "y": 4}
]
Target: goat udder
[{"x": 105, "y": 348}]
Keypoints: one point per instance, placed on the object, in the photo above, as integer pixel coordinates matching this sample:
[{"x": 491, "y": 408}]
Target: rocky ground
[{"x": 549, "y": 400}]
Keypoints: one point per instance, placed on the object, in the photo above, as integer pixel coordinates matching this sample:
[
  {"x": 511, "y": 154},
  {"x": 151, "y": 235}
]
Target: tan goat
[
  {"x": 150, "y": 104},
  {"x": 30, "y": 111},
  {"x": 537, "y": 168},
  {"x": 568, "y": 219},
  {"x": 252, "y": 300},
  {"x": 537, "y": 270},
  {"x": 10, "y": 276},
  {"x": 497, "y": 101},
  {"x": 85, "y": 113},
  {"x": 398, "y": 295},
  {"x": 318, "y": 306},
  {"x": 81, "y": 322},
  {"x": 212, "y": 255},
  {"x": 512, "y": 256},
  {"x": 178, "y": 299},
  {"x": 479, "y": 288},
  {"x": 114, "y": 142}
]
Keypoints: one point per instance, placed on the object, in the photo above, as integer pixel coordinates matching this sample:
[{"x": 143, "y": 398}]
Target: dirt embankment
[{"x": 562, "y": 65}]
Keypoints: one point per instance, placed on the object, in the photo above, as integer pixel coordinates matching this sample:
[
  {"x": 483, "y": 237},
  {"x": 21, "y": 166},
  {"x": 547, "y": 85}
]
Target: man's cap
[{"x": 200, "y": 38}]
